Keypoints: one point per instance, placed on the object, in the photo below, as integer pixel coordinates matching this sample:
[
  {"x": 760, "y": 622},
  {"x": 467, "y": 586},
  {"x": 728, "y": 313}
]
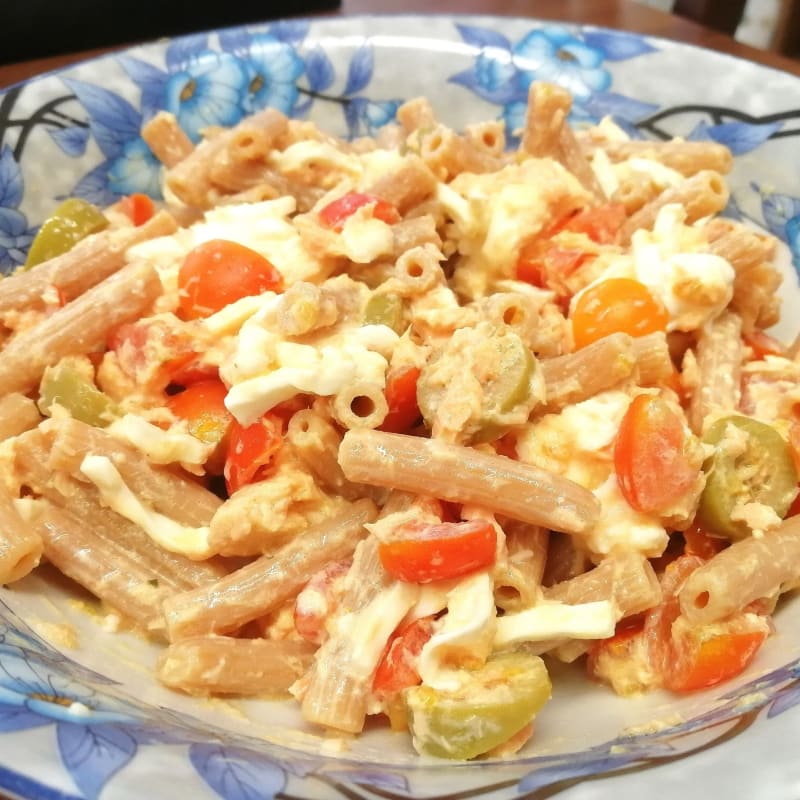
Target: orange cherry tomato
[
  {"x": 401, "y": 397},
  {"x": 202, "y": 405},
  {"x": 336, "y": 213},
  {"x": 616, "y": 305},
  {"x": 397, "y": 669},
  {"x": 422, "y": 552},
  {"x": 219, "y": 272},
  {"x": 139, "y": 207},
  {"x": 653, "y": 470},
  {"x": 250, "y": 451}
]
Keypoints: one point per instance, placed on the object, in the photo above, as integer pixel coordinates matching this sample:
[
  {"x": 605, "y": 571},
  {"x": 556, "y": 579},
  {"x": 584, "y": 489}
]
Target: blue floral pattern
[{"x": 98, "y": 729}]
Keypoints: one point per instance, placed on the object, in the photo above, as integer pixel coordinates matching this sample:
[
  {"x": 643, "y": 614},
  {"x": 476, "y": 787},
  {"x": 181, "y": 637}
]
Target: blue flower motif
[
  {"x": 31, "y": 683},
  {"x": 554, "y": 54},
  {"x": 208, "y": 90},
  {"x": 364, "y": 117},
  {"x": 135, "y": 170},
  {"x": 15, "y": 237},
  {"x": 272, "y": 69}
]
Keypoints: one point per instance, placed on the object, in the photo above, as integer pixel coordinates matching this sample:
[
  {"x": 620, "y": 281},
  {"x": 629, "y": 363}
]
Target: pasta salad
[{"x": 388, "y": 426}]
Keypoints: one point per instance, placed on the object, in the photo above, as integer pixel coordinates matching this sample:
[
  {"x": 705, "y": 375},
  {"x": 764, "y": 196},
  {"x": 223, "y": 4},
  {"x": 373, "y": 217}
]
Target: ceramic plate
[{"x": 80, "y": 715}]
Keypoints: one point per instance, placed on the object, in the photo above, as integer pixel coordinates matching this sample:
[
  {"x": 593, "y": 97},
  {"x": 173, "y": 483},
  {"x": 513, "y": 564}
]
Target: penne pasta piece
[
  {"x": 701, "y": 196},
  {"x": 719, "y": 366},
  {"x": 101, "y": 567},
  {"x": 360, "y": 405},
  {"x": 268, "y": 581},
  {"x": 32, "y": 471},
  {"x": 221, "y": 665},
  {"x": 21, "y": 546},
  {"x": 688, "y": 158},
  {"x": 166, "y": 139},
  {"x": 750, "y": 569},
  {"x": 89, "y": 262},
  {"x": 517, "y": 583},
  {"x": 575, "y": 376},
  {"x": 465, "y": 475},
  {"x": 164, "y": 490},
  {"x": 79, "y": 327},
  {"x": 18, "y": 413},
  {"x": 627, "y": 579},
  {"x": 408, "y": 187}
]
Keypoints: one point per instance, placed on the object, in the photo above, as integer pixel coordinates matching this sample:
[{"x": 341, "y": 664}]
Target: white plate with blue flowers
[{"x": 89, "y": 721}]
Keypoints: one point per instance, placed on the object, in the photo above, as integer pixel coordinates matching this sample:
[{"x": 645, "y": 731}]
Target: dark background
[{"x": 38, "y": 28}]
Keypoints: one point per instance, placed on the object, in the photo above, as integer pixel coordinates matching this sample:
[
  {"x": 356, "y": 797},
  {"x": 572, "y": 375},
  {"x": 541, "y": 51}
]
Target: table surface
[{"x": 621, "y": 14}]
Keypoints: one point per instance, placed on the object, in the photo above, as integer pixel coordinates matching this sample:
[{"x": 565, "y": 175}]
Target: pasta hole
[
  {"x": 414, "y": 269},
  {"x": 513, "y": 316},
  {"x": 362, "y": 406},
  {"x": 489, "y": 139},
  {"x": 701, "y": 601}
]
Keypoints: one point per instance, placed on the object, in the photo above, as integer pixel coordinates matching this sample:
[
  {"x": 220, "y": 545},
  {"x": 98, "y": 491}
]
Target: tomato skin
[
  {"x": 397, "y": 670},
  {"x": 600, "y": 223},
  {"x": 698, "y": 542},
  {"x": 762, "y": 344},
  {"x": 616, "y": 305},
  {"x": 250, "y": 449},
  {"x": 422, "y": 553},
  {"x": 219, "y": 272},
  {"x": 202, "y": 405},
  {"x": 336, "y": 213},
  {"x": 653, "y": 469},
  {"x": 401, "y": 397},
  {"x": 139, "y": 207}
]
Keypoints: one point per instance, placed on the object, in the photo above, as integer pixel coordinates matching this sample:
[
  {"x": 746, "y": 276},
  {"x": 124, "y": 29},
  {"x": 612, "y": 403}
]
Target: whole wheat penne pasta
[
  {"x": 653, "y": 360},
  {"x": 489, "y": 136},
  {"x": 167, "y": 140},
  {"x": 360, "y": 405},
  {"x": 688, "y": 158},
  {"x": 79, "y": 327},
  {"x": 265, "y": 583},
  {"x": 181, "y": 498},
  {"x": 82, "y": 499},
  {"x": 719, "y": 365},
  {"x": 222, "y": 665},
  {"x": 701, "y": 195},
  {"x": 90, "y": 261},
  {"x": 415, "y": 114},
  {"x": 575, "y": 376},
  {"x": 547, "y": 134},
  {"x": 21, "y": 546},
  {"x": 447, "y": 153},
  {"x": 627, "y": 579},
  {"x": 517, "y": 583},
  {"x": 741, "y": 247},
  {"x": 18, "y": 413},
  {"x": 101, "y": 567},
  {"x": 465, "y": 475},
  {"x": 748, "y": 570},
  {"x": 335, "y": 693},
  {"x": 408, "y": 187}
]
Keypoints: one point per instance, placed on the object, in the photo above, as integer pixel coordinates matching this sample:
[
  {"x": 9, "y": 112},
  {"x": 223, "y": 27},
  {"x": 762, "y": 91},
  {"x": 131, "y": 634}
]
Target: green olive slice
[
  {"x": 751, "y": 463},
  {"x": 72, "y": 221},
  {"x": 491, "y": 705},
  {"x": 66, "y": 386}
]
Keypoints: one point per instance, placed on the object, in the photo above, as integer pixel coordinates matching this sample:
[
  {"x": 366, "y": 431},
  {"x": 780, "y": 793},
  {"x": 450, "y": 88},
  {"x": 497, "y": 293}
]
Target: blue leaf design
[
  {"x": 291, "y": 31},
  {"x": 786, "y": 699},
  {"x": 359, "y": 74},
  {"x": 611, "y": 104},
  {"x": 778, "y": 209},
  {"x": 793, "y": 240},
  {"x": 376, "y": 779},
  {"x": 353, "y": 112},
  {"x": 319, "y": 70},
  {"x": 235, "y": 40},
  {"x": 72, "y": 140},
  {"x": 184, "y": 49},
  {"x": 112, "y": 119},
  {"x": 565, "y": 771},
  {"x": 502, "y": 94},
  {"x": 94, "y": 186},
  {"x": 150, "y": 79},
  {"x": 94, "y": 754},
  {"x": 237, "y": 774},
  {"x": 739, "y": 137},
  {"x": 618, "y": 45},
  {"x": 15, "y": 718},
  {"x": 483, "y": 37},
  {"x": 11, "y": 186}
]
